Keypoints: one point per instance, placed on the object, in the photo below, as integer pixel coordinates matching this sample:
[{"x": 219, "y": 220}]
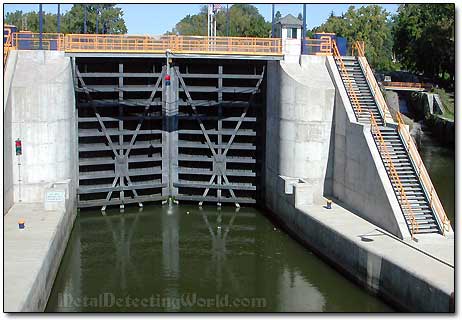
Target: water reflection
[{"x": 176, "y": 255}]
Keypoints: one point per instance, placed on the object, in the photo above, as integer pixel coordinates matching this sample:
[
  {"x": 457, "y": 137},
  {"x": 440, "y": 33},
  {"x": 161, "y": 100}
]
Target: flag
[{"x": 216, "y": 7}]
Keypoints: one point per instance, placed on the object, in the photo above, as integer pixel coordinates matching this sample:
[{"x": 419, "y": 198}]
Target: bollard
[
  {"x": 329, "y": 204},
  {"x": 21, "y": 223}
]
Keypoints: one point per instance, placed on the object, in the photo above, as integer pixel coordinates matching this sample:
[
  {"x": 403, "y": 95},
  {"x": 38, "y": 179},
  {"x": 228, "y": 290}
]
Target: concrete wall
[
  {"x": 360, "y": 179},
  {"x": 405, "y": 277},
  {"x": 299, "y": 121},
  {"x": 8, "y": 149},
  {"x": 291, "y": 48},
  {"x": 41, "y": 102}
]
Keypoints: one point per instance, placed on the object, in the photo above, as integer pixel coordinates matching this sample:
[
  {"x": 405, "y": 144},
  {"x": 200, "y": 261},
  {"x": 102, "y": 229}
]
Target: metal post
[
  {"x": 272, "y": 20},
  {"x": 59, "y": 18},
  {"x": 84, "y": 18},
  {"x": 304, "y": 30},
  {"x": 40, "y": 27},
  {"x": 97, "y": 13},
  {"x": 227, "y": 20}
]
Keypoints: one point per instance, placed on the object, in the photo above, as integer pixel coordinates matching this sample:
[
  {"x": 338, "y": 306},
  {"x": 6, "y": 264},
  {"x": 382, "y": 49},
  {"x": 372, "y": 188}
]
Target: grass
[{"x": 448, "y": 102}]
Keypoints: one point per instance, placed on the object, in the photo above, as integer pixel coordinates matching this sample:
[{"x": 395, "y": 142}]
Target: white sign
[{"x": 55, "y": 196}]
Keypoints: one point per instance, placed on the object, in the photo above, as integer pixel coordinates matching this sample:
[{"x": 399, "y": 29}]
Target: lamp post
[
  {"x": 40, "y": 27},
  {"x": 59, "y": 18},
  {"x": 304, "y": 30},
  {"x": 272, "y": 20}
]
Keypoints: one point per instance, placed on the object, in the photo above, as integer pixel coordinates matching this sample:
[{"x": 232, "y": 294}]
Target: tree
[
  {"x": 244, "y": 20},
  {"x": 371, "y": 24},
  {"x": 72, "y": 20},
  {"x": 277, "y": 16},
  {"x": 424, "y": 38},
  {"x": 300, "y": 17}
]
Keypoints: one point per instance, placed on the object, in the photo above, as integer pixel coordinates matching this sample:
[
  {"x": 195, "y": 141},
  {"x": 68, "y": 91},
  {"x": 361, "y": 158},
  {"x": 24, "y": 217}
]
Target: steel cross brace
[
  {"x": 123, "y": 157},
  {"x": 207, "y": 138}
]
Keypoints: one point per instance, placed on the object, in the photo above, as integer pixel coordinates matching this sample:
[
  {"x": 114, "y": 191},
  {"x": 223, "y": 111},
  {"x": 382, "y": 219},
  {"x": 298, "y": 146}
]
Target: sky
[{"x": 159, "y": 18}]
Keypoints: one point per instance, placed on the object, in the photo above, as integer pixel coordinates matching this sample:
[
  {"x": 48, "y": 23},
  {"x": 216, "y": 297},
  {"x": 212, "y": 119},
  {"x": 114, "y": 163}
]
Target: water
[
  {"x": 440, "y": 163},
  {"x": 175, "y": 258}
]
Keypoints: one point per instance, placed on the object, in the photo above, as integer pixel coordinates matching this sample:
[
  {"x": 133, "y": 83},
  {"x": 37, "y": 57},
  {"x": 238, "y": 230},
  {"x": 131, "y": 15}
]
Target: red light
[
  {"x": 167, "y": 77},
  {"x": 18, "y": 143}
]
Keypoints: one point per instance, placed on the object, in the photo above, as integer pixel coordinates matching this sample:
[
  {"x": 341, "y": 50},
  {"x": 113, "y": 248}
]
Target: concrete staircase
[{"x": 416, "y": 196}]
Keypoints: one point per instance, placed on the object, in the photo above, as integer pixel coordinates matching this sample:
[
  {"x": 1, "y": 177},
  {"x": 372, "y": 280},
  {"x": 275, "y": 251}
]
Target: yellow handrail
[
  {"x": 359, "y": 45},
  {"x": 393, "y": 173},
  {"x": 7, "y": 46},
  {"x": 416, "y": 85},
  {"x": 177, "y": 44},
  {"x": 422, "y": 173},
  {"x": 150, "y": 44},
  {"x": 353, "y": 98}
]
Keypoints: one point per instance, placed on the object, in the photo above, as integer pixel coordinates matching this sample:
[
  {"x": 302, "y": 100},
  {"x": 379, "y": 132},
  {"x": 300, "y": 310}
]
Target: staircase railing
[
  {"x": 7, "y": 46},
  {"x": 349, "y": 85},
  {"x": 359, "y": 47},
  {"x": 393, "y": 174},
  {"x": 422, "y": 173}
]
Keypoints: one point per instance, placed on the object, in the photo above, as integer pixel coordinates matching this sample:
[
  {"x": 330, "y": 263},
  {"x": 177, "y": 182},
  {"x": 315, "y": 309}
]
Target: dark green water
[
  {"x": 440, "y": 163},
  {"x": 187, "y": 259}
]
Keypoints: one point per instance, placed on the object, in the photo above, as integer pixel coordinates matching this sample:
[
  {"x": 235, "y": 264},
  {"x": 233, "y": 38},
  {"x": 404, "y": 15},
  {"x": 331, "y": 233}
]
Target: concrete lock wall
[
  {"x": 360, "y": 179},
  {"x": 41, "y": 112},
  {"x": 8, "y": 150},
  {"x": 300, "y": 106}
]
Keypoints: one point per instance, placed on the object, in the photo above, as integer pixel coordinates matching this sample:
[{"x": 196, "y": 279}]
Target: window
[{"x": 292, "y": 33}]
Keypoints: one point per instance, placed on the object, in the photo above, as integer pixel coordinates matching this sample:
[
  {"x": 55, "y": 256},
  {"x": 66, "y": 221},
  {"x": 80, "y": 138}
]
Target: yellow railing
[
  {"x": 349, "y": 85},
  {"x": 411, "y": 85},
  {"x": 31, "y": 41},
  {"x": 422, "y": 173},
  {"x": 393, "y": 174},
  {"x": 148, "y": 44},
  {"x": 177, "y": 44},
  {"x": 7, "y": 45},
  {"x": 359, "y": 46},
  {"x": 319, "y": 47}
]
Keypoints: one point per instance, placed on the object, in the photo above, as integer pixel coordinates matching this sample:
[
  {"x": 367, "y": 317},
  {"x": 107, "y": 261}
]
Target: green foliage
[
  {"x": 371, "y": 24},
  {"x": 110, "y": 20},
  {"x": 277, "y": 15},
  {"x": 447, "y": 100},
  {"x": 244, "y": 21},
  {"x": 424, "y": 38}
]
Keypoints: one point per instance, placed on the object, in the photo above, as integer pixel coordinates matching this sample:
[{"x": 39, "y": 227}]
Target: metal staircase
[
  {"x": 420, "y": 209},
  {"x": 361, "y": 90},
  {"x": 415, "y": 201}
]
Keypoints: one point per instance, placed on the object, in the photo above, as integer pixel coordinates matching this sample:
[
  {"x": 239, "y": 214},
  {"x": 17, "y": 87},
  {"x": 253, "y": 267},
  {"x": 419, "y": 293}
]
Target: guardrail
[
  {"x": 319, "y": 47},
  {"x": 411, "y": 85},
  {"x": 31, "y": 41},
  {"x": 147, "y": 44},
  {"x": 177, "y": 44},
  {"x": 353, "y": 97},
  {"x": 393, "y": 174},
  {"x": 7, "y": 46},
  {"x": 359, "y": 47},
  {"x": 423, "y": 175}
]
